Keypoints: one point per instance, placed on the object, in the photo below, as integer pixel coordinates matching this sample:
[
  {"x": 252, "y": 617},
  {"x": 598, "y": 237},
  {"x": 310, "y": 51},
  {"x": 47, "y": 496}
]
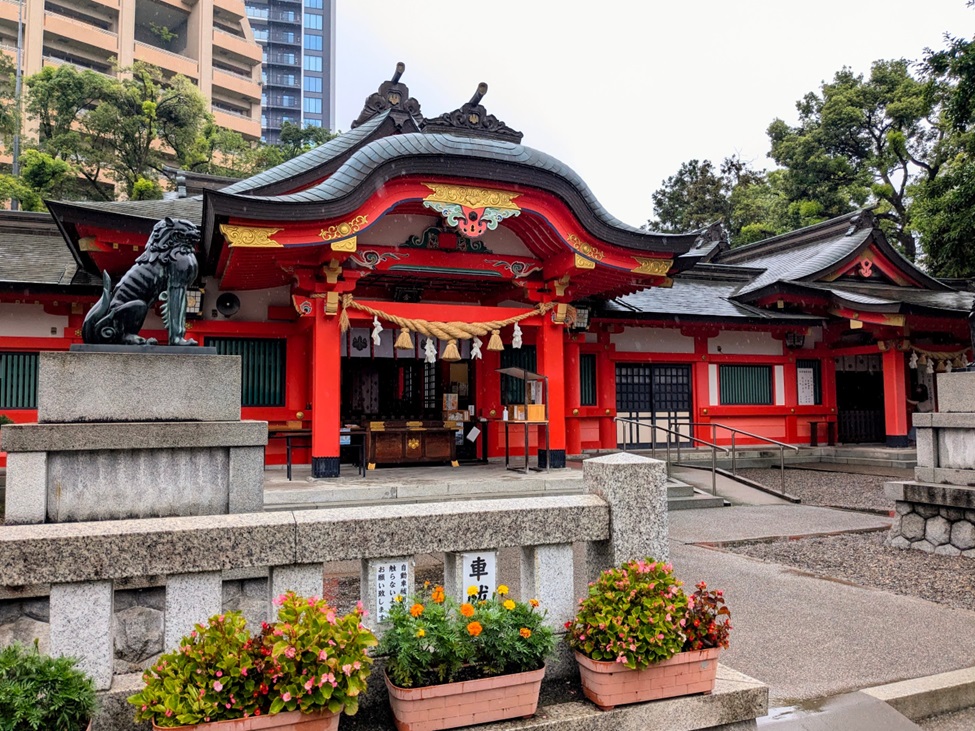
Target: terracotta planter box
[
  {"x": 288, "y": 721},
  {"x": 465, "y": 704},
  {"x": 609, "y": 684}
]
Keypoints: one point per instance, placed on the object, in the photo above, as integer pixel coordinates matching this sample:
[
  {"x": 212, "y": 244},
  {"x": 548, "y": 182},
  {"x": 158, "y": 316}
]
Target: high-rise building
[
  {"x": 299, "y": 62},
  {"x": 209, "y": 41}
]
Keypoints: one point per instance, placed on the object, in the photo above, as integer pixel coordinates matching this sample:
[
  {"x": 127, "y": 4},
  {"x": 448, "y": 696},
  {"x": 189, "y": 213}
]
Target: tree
[
  {"x": 863, "y": 139},
  {"x": 694, "y": 197},
  {"x": 8, "y": 105}
]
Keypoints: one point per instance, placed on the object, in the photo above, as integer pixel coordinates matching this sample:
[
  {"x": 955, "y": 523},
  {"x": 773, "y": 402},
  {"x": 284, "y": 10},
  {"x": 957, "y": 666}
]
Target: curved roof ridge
[
  {"x": 386, "y": 149},
  {"x": 309, "y": 160}
]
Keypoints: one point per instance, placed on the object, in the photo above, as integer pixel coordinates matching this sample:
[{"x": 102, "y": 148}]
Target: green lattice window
[
  {"x": 745, "y": 384},
  {"x": 587, "y": 379},
  {"x": 262, "y": 372},
  {"x": 513, "y": 389},
  {"x": 18, "y": 380}
]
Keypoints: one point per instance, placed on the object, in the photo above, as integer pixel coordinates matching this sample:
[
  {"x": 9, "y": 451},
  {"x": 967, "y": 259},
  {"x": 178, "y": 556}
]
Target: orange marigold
[
  {"x": 416, "y": 610},
  {"x": 508, "y": 604},
  {"x": 474, "y": 629},
  {"x": 525, "y": 632},
  {"x": 467, "y": 609},
  {"x": 438, "y": 595},
  {"x": 533, "y": 602}
]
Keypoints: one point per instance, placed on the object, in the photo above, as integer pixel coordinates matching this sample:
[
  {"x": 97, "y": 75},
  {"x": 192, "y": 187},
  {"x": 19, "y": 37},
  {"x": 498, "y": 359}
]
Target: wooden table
[
  {"x": 393, "y": 442},
  {"x": 289, "y": 435}
]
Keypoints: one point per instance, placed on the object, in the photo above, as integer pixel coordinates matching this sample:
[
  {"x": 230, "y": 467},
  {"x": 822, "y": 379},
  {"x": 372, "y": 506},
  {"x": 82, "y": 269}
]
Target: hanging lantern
[
  {"x": 430, "y": 351},
  {"x": 476, "y": 344},
  {"x": 450, "y": 352},
  {"x": 516, "y": 336},
  {"x": 404, "y": 341},
  {"x": 376, "y": 329},
  {"x": 913, "y": 360},
  {"x": 495, "y": 342}
]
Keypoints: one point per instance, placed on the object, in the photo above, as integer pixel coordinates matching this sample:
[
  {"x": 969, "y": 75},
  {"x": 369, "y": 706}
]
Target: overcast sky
[{"x": 624, "y": 92}]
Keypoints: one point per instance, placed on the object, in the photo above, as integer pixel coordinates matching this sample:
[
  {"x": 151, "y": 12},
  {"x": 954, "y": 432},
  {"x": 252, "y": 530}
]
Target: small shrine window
[
  {"x": 513, "y": 389},
  {"x": 18, "y": 380},
  {"x": 587, "y": 379},
  {"x": 262, "y": 368},
  {"x": 743, "y": 385}
]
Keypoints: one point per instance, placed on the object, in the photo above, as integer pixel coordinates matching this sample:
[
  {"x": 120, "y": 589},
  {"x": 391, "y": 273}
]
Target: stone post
[
  {"x": 305, "y": 580},
  {"x": 190, "y": 599},
  {"x": 456, "y": 577},
  {"x": 81, "y": 627},
  {"x": 636, "y": 489}
]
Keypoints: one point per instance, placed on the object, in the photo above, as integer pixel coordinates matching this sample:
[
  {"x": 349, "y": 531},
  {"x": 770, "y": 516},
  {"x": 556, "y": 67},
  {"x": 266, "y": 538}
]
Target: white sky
[{"x": 624, "y": 92}]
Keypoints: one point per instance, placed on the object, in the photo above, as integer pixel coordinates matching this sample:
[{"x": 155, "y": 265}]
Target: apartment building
[
  {"x": 209, "y": 41},
  {"x": 298, "y": 39}
]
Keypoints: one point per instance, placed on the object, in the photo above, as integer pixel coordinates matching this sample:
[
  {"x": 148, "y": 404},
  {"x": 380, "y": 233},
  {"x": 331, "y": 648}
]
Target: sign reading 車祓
[
  {"x": 479, "y": 571},
  {"x": 392, "y": 579}
]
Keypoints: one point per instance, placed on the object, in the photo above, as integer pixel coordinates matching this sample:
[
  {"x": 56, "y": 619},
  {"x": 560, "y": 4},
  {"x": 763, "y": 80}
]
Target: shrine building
[{"x": 376, "y": 285}]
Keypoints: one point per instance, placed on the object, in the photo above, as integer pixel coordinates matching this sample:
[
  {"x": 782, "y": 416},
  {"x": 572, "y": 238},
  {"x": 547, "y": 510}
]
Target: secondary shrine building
[{"x": 375, "y": 287}]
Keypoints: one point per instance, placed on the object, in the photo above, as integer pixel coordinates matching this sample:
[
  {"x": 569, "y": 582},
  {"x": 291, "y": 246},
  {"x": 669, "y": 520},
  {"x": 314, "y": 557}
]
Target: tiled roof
[
  {"x": 190, "y": 209},
  {"x": 878, "y": 295},
  {"x": 387, "y": 149},
  {"x": 33, "y": 252},
  {"x": 693, "y": 298},
  {"x": 311, "y": 159}
]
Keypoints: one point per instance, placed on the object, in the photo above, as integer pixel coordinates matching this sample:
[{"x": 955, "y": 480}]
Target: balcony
[
  {"x": 291, "y": 39},
  {"x": 233, "y": 7},
  {"x": 246, "y": 88},
  {"x": 247, "y": 126},
  {"x": 236, "y": 46},
  {"x": 9, "y": 12},
  {"x": 80, "y": 64},
  {"x": 74, "y": 30},
  {"x": 166, "y": 60}
]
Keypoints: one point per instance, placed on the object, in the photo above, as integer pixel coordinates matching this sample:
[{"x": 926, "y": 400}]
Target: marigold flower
[
  {"x": 467, "y": 609},
  {"x": 398, "y": 599},
  {"x": 502, "y": 589},
  {"x": 525, "y": 632},
  {"x": 533, "y": 602},
  {"x": 472, "y": 591},
  {"x": 474, "y": 629},
  {"x": 508, "y": 604},
  {"x": 416, "y": 610},
  {"x": 421, "y": 633},
  {"x": 438, "y": 595}
]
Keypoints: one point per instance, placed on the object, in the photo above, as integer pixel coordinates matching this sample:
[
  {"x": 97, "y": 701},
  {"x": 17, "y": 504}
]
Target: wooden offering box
[{"x": 408, "y": 442}]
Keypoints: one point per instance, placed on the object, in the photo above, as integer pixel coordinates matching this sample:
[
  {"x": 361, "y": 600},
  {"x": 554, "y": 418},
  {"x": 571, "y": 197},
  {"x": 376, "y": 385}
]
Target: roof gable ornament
[
  {"x": 862, "y": 220},
  {"x": 394, "y": 96},
  {"x": 472, "y": 118}
]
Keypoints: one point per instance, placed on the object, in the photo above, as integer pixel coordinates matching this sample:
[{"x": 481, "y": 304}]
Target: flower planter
[
  {"x": 467, "y": 703},
  {"x": 609, "y": 684},
  {"x": 287, "y": 721}
]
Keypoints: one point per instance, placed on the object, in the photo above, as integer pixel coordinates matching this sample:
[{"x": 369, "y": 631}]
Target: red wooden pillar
[
  {"x": 326, "y": 393},
  {"x": 895, "y": 398},
  {"x": 573, "y": 427},
  {"x": 489, "y": 387},
  {"x": 606, "y": 393},
  {"x": 551, "y": 364},
  {"x": 701, "y": 389},
  {"x": 791, "y": 375}
]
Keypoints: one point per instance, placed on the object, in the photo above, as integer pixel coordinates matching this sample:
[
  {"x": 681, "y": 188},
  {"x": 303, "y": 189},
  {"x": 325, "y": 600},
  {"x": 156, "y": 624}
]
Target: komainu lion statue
[{"x": 163, "y": 271}]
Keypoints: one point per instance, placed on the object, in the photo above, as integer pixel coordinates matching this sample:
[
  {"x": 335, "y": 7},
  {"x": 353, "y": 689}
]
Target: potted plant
[
  {"x": 301, "y": 672},
  {"x": 639, "y": 637},
  {"x": 451, "y": 664},
  {"x": 42, "y": 692}
]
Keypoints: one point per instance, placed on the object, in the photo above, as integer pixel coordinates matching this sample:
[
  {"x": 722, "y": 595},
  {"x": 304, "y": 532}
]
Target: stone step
[{"x": 698, "y": 501}]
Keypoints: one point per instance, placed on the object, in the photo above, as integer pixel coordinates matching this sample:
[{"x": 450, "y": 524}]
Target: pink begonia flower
[
  {"x": 660, "y": 636},
  {"x": 228, "y": 705},
  {"x": 279, "y": 600},
  {"x": 278, "y": 633},
  {"x": 220, "y": 673},
  {"x": 310, "y": 684},
  {"x": 357, "y": 665},
  {"x": 330, "y": 617},
  {"x": 243, "y": 671},
  {"x": 290, "y": 652},
  {"x": 217, "y": 685},
  {"x": 286, "y": 697},
  {"x": 322, "y": 655},
  {"x": 347, "y": 669}
]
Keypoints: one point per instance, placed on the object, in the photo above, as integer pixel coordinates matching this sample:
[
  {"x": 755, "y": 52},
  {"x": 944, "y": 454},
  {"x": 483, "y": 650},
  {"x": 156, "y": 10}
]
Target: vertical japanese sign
[
  {"x": 392, "y": 579},
  {"x": 480, "y": 571}
]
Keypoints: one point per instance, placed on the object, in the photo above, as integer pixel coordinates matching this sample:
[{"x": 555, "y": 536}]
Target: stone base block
[
  {"x": 75, "y": 387},
  {"x": 956, "y": 391}
]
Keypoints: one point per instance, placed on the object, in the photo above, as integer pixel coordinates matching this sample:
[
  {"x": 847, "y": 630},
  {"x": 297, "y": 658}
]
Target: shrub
[
  {"x": 41, "y": 693},
  {"x": 708, "y": 619}
]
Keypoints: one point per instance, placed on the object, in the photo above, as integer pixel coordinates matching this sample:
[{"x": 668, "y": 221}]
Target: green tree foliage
[
  {"x": 863, "y": 139},
  {"x": 692, "y": 198},
  {"x": 8, "y": 108}
]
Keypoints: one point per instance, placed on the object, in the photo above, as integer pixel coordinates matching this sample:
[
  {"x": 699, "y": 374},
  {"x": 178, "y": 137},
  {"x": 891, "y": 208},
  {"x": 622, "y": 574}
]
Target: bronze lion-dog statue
[{"x": 163, "y": 271}]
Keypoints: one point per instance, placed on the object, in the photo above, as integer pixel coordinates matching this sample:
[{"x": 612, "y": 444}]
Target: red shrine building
[{"x": 377, "y": 285}]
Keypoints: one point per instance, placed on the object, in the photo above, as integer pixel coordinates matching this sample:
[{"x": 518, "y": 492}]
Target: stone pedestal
[
  {"x": 134, "y": 435},
  {"x": 935, "y": 512}
]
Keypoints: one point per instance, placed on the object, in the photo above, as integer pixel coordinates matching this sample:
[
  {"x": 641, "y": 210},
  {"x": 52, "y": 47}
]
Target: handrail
[
  {"x": 653, "y": 446},
  {"x": 734, "y": 457}
]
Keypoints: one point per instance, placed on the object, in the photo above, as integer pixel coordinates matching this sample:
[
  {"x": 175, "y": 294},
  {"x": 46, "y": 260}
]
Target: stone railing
[{"x": 84, "y": 563}]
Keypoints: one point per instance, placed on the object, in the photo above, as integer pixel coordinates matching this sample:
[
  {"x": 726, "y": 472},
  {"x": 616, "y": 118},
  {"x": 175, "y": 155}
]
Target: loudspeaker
[{"x": 227, "y": 304}]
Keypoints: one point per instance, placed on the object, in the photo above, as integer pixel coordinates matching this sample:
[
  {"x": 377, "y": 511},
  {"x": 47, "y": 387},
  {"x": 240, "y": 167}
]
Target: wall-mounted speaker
[{"x": 227, "y": 304}]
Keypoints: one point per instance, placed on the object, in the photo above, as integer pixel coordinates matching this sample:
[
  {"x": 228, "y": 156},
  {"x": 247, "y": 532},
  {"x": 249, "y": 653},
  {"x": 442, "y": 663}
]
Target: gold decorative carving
[
  {"x": 345, "y": 245},
  {"x": 344, "y": 229},
  {"x": 377, "y": 426},
  {"x": 472, "y": 197},
  {"x": 558, "y": 317},
  {"x": 413, "y": 444},
  {"x": 585, "y": 248},
  {"x": 414, "y": 424},
  {"x": 250, "y": 237},
  {"x": 331, "y": 303},
  {"x": 332, "y": 270},
  {"x": 582, "y": 262},
  {"x": 653, "y": 267}
]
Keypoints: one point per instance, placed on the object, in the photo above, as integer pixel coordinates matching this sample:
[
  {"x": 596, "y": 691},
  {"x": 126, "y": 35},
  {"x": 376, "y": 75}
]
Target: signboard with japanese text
[
  {"x": 479, "y": 571},
  {"x": 392, "y": 579}
]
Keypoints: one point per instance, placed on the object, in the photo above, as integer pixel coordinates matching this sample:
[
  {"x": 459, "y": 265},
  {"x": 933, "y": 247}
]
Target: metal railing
[
  {"x": 734, "y": 457},
  {"x": 680, "y": 435}
]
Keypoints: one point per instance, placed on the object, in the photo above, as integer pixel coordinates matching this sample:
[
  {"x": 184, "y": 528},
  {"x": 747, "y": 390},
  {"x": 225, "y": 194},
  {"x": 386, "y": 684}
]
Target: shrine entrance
[
  {"x": 657, "y": 395},
  {"x": 860, "y": 399}
]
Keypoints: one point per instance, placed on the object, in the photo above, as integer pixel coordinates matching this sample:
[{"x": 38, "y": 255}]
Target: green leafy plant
[
  {"x": 708, "y": 620},
  {"x": 310, "y": 659},
  {"x": 433, "y": 639},
  {"x": 634, "y": 615},
  {"x": 41, "y": 693},
  {"x": 4, "y": 419}
]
